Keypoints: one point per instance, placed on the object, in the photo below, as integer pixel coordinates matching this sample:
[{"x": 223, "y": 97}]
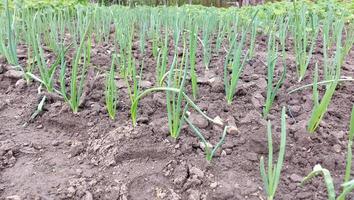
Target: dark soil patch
[{"x": 87, "y": 156}]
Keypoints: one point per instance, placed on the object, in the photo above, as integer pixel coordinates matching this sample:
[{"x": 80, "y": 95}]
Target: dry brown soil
[{"x": 60, "y": 155}]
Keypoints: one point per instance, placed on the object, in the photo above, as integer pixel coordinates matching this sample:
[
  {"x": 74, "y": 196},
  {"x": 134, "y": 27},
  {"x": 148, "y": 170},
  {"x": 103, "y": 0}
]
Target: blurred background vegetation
[
  {"x": 216, "y": 3},
  {"x": 58, "y": 3},
  {"x": 279, "y": 7}
]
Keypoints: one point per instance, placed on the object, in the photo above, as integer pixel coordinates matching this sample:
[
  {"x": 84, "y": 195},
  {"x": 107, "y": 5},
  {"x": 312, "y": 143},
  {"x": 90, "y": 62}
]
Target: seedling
[
  {"x": 272, "y": 178},
  {"x": 162, "y": 60},
  {"x": 192, "y": 57},
  {"x": 133, "y": 85},
  {"x": 8, "y": 45},
  {"x": 304, "y": 39},
  {"x": 347, "y": 186},
  {"x": 209, "y": 153},
  {"x": 272, "y": 58},
  {"x": 76, "y": 83},
  {"x": 46, "y": 72},
  {"x": 235, "y": 61},
  {"x": 320, "y": 107},
  {"x": 111, "y": 90}
]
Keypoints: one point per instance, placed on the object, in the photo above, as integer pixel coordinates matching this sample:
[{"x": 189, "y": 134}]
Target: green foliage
[
  {"x": 192, "y": 57},
  {"x": 348, "y": 184},
  {"x": 272, "y": 58},
  {"x": 271, "y": 179},
  {"x": 320, "y": 107},
  {"x": 39, "y": 4},
  {"x": 305, "y": 32},
  {"x": 111, "y": 90},
  {"x": 209, "y": 151},
  {"x": 8, "y": 42},
  {"x": 83, "y": 52},
  {"x": 236, "y": 61},
  {"x": 133, "y": 85}
]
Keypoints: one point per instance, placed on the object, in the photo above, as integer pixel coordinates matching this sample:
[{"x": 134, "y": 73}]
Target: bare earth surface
[{"x": 59, "y": 155}]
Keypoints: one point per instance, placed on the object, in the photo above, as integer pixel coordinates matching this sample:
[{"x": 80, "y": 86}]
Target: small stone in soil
[
  {"x": 213, "y": 185},
  {"x": 20, "y": 84},
  {"x": 228, "y": 151},
  {"x": 13, "y": 197},
  {"x": 337, "y": 148},
  {"x": 55, "y": 143},
  {"x": 197, "y": 172},
  {"x": 88, "y": 196},
  {"x": 71, "y": 190},
  {"x": 218, "y": 121},
  {"x": 78, "y": 171},
  {"x": 304, "y": 195},
  {"x": 257, "y": 100},
  {"x": 232, "y": 130},
  {"x": 338, "y": 134},
  {"x": 76, "y": 150},
  {"x": 223, "y": 153},
  {"x": 296, "y": 178},
  {"x": 251, "y": 156},
  {"x": 39, "y": 126},
  {"x": 194, "y": 195},
  {"x": 142, "y": 119},
  {"x": 121, "y": 84},
  {"x": 250, "y": 188},
  {"x": 202, "y": 145},
  {"x": 198, "y": 120},
  {"x": 15, "y": 74},
  {"x": 262, "y": 83},
  {"x": 145, "y": 84},
  {"x": 295, "y": 110}
]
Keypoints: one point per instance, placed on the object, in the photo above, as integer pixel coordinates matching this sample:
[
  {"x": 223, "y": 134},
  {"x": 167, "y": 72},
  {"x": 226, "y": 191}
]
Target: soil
[{"x": 61, "y": 155}]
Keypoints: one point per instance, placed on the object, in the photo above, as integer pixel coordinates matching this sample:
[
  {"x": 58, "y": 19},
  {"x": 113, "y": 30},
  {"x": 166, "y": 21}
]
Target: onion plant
[
  {"x": 142, "y": 36},
  {"x": 320, "y": 107},
  {"x": 46, "y": 72},
  {"x": 39, "y": 108},
  {"x": 206, "y": 30},
  {"x": 327, "y": 44},
  {"x": 236, "y": 60},
  {"x": 174, "y": 101},
  {"x": 272, "y": 58},
  {"x": 162, "y": 60},
  {"x": 177, "y": 101},
  {"x": 193, "y": 35},
  {"x": 305, "y": 32},
  {"x": 272, "y": 177},
  {"x": 124, "y": 36},
  {"x": 348, "y": 184},
  {"x": 102, "y": 20},
  {"x": 133, "y": 85},
  {"x": 77, "y": 82},
  {"x": 8, "y": 42},
  {"x": 55, "y": 33},
  {"x": 348, "y": 166},
  {"x": 111, "y": 90},
  {"x": 221, "y": 35},
  {"x": 254, "y": 30},
  {"x": 209, "y": 153},
  {"x": 155, "y": 32}
]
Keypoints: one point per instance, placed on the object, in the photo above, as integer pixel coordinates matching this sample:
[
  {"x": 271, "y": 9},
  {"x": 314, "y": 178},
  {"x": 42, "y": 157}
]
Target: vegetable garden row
[{"x": 175, "y": 35}]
